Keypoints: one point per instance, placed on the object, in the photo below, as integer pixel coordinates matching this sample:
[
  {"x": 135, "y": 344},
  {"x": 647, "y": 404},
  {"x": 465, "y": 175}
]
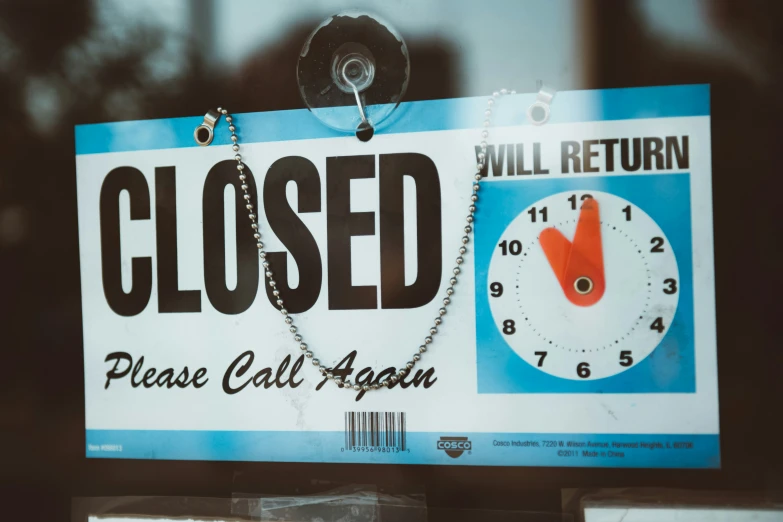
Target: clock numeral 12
[
  {"x": 532, "y": 213},
  {"x": 572, "y": 199}
]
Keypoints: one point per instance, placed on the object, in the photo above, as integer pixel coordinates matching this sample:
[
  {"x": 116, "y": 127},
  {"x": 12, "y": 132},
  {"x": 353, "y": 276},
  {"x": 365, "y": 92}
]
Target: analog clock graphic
[{"x": 583, "y": 285}]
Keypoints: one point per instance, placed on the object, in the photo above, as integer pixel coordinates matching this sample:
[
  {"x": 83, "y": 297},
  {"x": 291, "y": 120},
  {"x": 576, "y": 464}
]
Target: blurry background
[{"x": 85, "y": 61}]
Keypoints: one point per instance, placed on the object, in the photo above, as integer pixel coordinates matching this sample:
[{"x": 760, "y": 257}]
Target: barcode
[{"x": 375, "y": 429}]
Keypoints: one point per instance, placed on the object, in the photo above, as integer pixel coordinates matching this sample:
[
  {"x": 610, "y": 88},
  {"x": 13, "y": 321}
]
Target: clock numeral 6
[
  {"x": 542, "y": 356},
  {"x": 657, "y": 243},
  {"x": 532, "y": 213},
  {"x": 496, "y": 289},
  {"x": 572, "y": 199},
  {"x": 672, "y": 286},
  {"x": 509, "y": 327},
  {"x": 583, "y": 370},
  {"x": 657, "y": 325},
  {"x": 513, "y": 247},
  {"x": 625, "y": 358}
]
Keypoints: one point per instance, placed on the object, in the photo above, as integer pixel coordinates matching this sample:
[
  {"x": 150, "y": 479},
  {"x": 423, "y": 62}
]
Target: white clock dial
[{"x": 565, "y": 326}]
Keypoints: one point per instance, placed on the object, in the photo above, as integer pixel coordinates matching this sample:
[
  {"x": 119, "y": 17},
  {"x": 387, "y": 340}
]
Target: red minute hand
[{"x": 578, "y": 266}]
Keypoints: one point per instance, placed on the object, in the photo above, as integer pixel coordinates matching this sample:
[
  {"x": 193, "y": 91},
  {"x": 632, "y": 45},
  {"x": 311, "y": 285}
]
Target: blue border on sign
[
  {"x": 421, "y": 116},
  {"x": 487, "y": 449},
  {"x": 670, "y": 368}
]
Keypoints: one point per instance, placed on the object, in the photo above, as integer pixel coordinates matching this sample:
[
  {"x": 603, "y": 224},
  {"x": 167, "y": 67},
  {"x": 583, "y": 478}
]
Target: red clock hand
[
  {"x": 578, "y": 265},
  {"x": 557, "y": 250},
  {"x": 584, "y": 275}
]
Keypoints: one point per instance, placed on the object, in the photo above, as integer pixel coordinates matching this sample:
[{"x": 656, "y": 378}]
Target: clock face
[{"x": 583, "y": 285}]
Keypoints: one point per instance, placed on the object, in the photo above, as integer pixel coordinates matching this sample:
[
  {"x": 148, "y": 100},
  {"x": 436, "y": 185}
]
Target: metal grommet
[
  {"x": 540, "y": 120},
  {"x": 205, "y": 132},
  {"x": 583, "y": 285},
  {"x": 538, "y": 112},
  {"x": 203, "y": 135}
]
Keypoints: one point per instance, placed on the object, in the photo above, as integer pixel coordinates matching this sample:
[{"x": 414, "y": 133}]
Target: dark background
[{"x": 64, "y": 63}]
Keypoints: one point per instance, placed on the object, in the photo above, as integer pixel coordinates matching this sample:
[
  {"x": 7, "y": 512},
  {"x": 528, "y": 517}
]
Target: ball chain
[{"x": 438, "y": 321}]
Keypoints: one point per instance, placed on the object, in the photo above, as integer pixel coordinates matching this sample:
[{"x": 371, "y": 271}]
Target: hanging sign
[{"x": 581, "y": 332}]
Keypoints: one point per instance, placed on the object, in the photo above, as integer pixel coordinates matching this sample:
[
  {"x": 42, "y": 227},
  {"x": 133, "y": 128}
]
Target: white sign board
[{"x": 581, "y": 332}]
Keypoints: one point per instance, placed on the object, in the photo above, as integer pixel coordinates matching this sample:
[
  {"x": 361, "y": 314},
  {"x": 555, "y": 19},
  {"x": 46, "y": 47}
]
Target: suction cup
[{"x": 353, "y": 72}]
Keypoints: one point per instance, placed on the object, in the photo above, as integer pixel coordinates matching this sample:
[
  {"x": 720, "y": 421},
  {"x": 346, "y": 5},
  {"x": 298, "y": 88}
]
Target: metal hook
[
  {"x": 543, "y": 101},
  {"x": 365, "y": 129},
  {"x": 205, "y": 132}
]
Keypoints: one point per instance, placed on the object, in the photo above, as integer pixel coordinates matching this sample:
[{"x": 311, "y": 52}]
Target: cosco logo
[
  {"x": 445, "y": 444},
  {"x": 454, "y": 446}
]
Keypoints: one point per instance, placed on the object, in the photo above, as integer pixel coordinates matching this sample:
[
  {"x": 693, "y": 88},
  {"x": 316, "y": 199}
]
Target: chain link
[{"x": 438, "y": 321}]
